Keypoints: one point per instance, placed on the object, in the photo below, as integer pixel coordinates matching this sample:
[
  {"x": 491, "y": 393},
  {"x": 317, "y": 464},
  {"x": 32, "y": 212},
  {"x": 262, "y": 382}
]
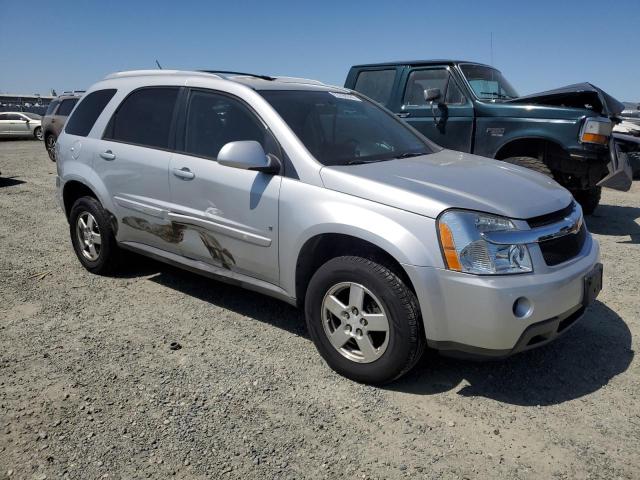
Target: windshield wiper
[
  {"x": 499, "y": 95},
  {"x": 360, "y": 162},
  {"x": 411, "y": 154}
]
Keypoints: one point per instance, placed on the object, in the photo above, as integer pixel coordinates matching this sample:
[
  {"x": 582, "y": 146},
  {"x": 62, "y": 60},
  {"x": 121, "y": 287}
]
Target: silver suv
[{"x": 320, "y": 197}]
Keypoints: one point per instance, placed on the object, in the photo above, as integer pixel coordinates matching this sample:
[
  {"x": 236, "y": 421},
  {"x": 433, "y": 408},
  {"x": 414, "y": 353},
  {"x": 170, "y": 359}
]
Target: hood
[
  {"x": 429, "y": 184},
  {"x": 578, "y": 95}
]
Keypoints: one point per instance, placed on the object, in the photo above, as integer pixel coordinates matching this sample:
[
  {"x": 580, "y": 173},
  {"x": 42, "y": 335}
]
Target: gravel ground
[{"x": 90, "y": 388}]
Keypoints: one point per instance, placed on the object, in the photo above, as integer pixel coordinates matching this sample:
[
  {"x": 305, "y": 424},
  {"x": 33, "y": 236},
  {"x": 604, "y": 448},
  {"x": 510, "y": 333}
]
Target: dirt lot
[{"x": 89, "y": 387}]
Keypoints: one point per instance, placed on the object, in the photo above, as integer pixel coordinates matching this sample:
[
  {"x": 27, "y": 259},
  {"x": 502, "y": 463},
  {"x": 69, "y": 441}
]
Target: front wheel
[
  {"x": 588, "y": 199},
  {"x": 37, "y": 133},
  {"x": 364, "y": 320},
  {"x": 50, "y": 145}
]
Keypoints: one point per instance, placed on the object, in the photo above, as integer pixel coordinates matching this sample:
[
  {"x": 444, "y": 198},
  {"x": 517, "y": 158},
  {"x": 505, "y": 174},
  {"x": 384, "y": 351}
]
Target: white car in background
[{"x": 20, "y": 124}]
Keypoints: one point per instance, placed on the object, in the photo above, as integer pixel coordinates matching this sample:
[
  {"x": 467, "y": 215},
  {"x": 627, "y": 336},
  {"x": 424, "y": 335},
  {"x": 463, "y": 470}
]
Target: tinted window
[
  {"x": 32, "y": 116},
  {"x": 14, "y": 116},
  {"x": 376, "y": 84},
  {"x": 341, "y": 128},
  {"x": 3, "y": 116},
  {"x": 214, "y": 120},
  {"x": 144, "y": 117},
  {"x": 90, "y": 108},
  {"x": 66, "y": 106},
  {"x": 52, "y": 107}
]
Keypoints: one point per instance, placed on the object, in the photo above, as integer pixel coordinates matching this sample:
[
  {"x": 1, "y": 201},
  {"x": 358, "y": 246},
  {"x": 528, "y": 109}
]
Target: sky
[{"x": 537, "y": 45}]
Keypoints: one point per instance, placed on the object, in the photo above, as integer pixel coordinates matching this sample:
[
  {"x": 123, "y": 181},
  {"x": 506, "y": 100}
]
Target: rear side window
[
  {"x": 144, "y": 117},
  {"x": 90, "y": 108},
  {"x": 52, "y": 106},
  {"x": 66, "y": 106},
  {"x": 376, "y": 84}
]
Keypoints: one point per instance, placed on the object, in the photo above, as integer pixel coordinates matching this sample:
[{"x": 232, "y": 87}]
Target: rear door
[
  {"x": 229, "y": 216},
  {"x": 132, "y": 160},
  {"x": 450, "y": 122},
  {"x": 5, "y": 124}
]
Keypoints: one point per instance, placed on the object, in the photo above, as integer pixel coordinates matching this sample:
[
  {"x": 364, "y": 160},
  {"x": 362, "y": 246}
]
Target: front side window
[
  {"x": 440, "y": 78},
  {"x": 342, "y": 128},
  {"x": 376, "y": 84},
  {"x": 66, "y": 106},
  {"x": 144, "y": 117},
  {"x": 32, "y": 116},
  {"x": 488, "y": 83},
  {"x": 214, "y": 120},
  {"x": 90, "y": 108}
]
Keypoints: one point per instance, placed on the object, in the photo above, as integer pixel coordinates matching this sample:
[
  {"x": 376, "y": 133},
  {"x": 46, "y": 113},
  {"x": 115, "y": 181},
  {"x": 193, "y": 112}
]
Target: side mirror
[
  {"x": 432, "y": 94},
  {"x": 248, "y": 155}
]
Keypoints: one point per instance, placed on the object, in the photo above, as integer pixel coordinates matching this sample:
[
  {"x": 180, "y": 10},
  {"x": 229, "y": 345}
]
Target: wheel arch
[
  {"x": 543, "y": 148},
  {"x": 322, "y": 247}
]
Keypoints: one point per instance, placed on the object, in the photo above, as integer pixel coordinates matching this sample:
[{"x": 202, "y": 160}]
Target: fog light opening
[{"x": 522, "y": 307}]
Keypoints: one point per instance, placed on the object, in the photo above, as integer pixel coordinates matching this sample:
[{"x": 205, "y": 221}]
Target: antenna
[
  {"x": 491, "y": 49},
  {"x": 158, "y": 64}
]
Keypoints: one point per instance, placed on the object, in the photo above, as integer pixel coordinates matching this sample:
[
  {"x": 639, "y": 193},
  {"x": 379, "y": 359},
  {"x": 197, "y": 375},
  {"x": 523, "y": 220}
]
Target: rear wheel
[
  {"x": 364, "y": 320},
  {"x": 588, "y": 199},
  {"x": 93, "y": 237},
  {"x": 50, "y": 145},
  {"x": 531, "y": 163},
  {"x": 38, "y": 133}
]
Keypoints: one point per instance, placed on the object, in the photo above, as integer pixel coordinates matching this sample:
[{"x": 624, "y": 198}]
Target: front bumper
[{"x": 475, "y": 314}]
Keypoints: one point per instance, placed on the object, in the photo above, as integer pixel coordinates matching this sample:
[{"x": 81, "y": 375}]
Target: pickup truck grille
[{"x": 563, "y": 248}]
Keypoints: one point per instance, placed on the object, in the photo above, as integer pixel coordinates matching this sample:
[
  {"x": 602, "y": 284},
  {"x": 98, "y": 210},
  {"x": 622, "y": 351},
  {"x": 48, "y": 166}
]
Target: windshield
[
  {"x": 488, "y": 83},
  {"x": 32, "y": 116},
  {"x": 345, "y": 129}
]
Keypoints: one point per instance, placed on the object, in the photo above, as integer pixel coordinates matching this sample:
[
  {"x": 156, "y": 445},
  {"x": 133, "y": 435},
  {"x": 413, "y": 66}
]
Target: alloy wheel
[
  {"x": 89, "y": 238},
  {"x": 355, "y": 322}
]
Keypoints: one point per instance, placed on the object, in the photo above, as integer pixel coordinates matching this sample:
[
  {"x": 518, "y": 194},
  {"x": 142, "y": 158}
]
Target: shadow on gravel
[
  {"x": 10, "y": 182},
  {"x": 584, "y": 360},
  {"x": 244, "y": 302},
  {"x": 615, "y": 220}
]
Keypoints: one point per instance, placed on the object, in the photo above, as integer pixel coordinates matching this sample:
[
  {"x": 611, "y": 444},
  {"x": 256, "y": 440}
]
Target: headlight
[
  {"x": 596, "y": 130},
  {"x": 464, "y": 249}
]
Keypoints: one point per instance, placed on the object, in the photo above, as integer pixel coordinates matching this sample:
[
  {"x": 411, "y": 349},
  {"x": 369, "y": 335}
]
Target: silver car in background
[
  {"x": 318, "y": 196},
  {"x": 20, "y": 125}
]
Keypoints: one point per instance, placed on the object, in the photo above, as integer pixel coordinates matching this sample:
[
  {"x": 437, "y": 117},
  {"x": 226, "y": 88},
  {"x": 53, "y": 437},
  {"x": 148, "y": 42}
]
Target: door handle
[
  {"x": 108, "y": 155},
  {"x": 403, "y": 114},
  {"x": 184, "y": 173}
]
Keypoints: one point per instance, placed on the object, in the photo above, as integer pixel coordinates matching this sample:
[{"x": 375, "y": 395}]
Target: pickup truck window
[
  {"x": 488, "y": 83},
  {"x": 343, "y": 128},
  {"x": 376, "y": 84},
  {"x": 421, "y": 80}
]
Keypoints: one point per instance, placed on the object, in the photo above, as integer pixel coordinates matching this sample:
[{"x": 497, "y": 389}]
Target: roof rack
[
  {"x": 229, "y": 73},
  {"x": 139, "y": 73}
]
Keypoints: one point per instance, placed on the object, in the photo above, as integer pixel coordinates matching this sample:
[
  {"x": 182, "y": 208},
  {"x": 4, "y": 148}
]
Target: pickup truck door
[
  {"x": 229, "y": 216},
  {"x": 450, "y": 122}
]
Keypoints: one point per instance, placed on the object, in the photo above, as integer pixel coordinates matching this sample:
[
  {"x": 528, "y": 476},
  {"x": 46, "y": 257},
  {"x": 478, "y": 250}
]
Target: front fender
[{"x": 307, "y": 211}]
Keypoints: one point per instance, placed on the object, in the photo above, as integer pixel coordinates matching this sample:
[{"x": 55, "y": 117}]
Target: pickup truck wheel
[
  {"x": 92, "y": 236},
  {"x": 588, "y": 199},
  {"x": 364, "y": 320},
  {"x": 531, "y": 163}
]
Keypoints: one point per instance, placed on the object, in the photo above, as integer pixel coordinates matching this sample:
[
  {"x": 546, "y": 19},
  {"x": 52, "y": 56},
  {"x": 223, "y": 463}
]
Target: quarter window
[
  {"x": 421, "y": 80},
  {"x": 376, "y": 84},
  {"x": 66, "y": 106},
  {"x": 52, "y": 106},
  {"x": 214, "y": 120},
  {"x": 90, "y": 108},
  {"x": 144, "y": 117}
]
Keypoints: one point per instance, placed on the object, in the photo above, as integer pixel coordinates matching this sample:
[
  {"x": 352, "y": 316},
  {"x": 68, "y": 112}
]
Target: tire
[
  {"x": 107, "y": 253},
  {"x": 395, "y": 352},
  {"x": 37, "y": 133},
  {"x": 50, "y": 146},
  {"x": 588, "y": 199},
  {"x": 531, "y": 163}
]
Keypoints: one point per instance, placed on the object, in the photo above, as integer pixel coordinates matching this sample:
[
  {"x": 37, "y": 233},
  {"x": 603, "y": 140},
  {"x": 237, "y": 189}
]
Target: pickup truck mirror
[
  {"x": 432, "y": 94},
  {"x": 248, "y": 155}
]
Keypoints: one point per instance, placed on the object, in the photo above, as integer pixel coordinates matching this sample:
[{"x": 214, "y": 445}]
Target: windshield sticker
[{"x": 345, "y": 96}]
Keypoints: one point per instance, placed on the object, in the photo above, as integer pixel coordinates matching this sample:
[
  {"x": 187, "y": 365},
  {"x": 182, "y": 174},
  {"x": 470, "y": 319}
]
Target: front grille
[
  {"x": 553, "y": 217},
  {"x": 564, "y": 248}
]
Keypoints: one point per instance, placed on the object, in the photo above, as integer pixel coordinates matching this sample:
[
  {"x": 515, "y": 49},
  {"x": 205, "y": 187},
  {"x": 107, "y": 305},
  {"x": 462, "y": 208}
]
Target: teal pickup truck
[{"x": 470, "y": 107}]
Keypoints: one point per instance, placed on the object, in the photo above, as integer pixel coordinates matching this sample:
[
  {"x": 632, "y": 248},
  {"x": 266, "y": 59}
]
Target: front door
[
  {"x": 229, "y": 216},
  {"x": 450, "y": 122}
]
